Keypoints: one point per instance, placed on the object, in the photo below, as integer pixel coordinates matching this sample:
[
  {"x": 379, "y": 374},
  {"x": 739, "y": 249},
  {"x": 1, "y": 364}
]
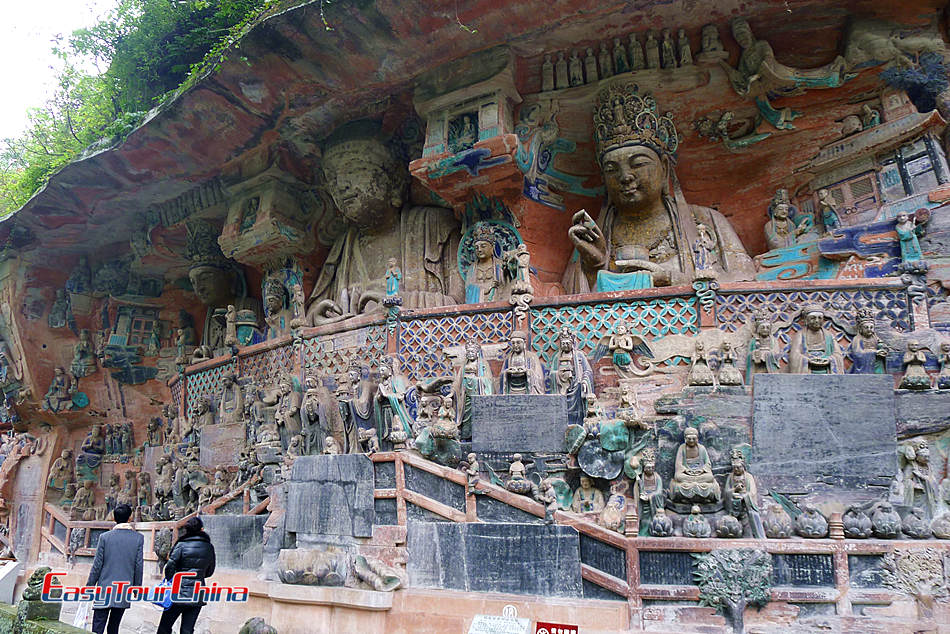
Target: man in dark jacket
[
  {"x": 192, "y": 553},
  {"x": 118, "y": 558}
]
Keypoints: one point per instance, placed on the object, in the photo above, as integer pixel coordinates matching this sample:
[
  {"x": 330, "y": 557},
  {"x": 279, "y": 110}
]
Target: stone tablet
[
  {"x": 331, "y": 495},
  {"x": 512, "y": 558},
  {"x": 823, "y": 433},
  {"x": 519, "y": 422},
  {"x": 238, "y": 539},
  {"x": 221, "y": 445}
]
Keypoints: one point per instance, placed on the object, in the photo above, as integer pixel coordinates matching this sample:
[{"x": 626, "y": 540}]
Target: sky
[{"x": 26, "y": 63}]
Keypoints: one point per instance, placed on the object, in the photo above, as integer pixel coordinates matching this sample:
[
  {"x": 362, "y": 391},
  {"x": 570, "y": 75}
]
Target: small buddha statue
[
  {"x": 587, "y": 498},
  {"x": 915, "y": 372},
  {"x": 693, "y": 480},
  {"x": 813, "y": 349},
  {"x": 521, "y": 372}
]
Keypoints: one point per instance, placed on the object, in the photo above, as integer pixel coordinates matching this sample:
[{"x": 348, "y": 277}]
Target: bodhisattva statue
[
  {"x": 813, "y": 348},
  {"x": 645, "y": 232},
  {"x": 571, "y": 375},
  {"x": 781, "y": 230},
  {"x": 84, "y": 356},
  {"x": 392, "y": 415},
  {"x": 370, "y": 186},
  {"x": 287, "y": 399},
  {"x": 61, "y": 390},
  {"x": 473, "y": 378},
  {"x": 867, "y": 351},
  {"x": 217, "y": 282},
  {"x": 62, "y": 471},
  {"x": 278, "y": 308},
  {"x": 647, "y": 492},
  {"x": 763, "y": 353},
  {"x": 231, "y": 406},
  {"x": 485, "y": 276},
  {"x": 741, "y": 495},
  {"x": 521, "y": 372},
  {"x": 693, "y": 479}
]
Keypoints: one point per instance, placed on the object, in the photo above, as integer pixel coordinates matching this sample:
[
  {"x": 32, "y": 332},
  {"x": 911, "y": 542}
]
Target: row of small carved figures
[{"x": 621, "y": 58}]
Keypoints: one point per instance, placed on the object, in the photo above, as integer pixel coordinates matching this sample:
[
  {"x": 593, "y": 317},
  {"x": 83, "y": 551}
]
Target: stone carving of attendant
[
  {"x": 763, "y": 354},
  {"x": 711, "y": 42},
  {"x": 486, "y": 274},
  {"x": 704, "y": 250},
  {"x": 590, "y": 66},
  {"x": 231, "y": 401},
  {"x": 84, "y": 356},
  {"x": 155, "y": 434},
  {"x": 204, "y": 413},
  {"x": 144, "y": 498},
  {"x": 780, "y": 230},
  {"x": 613, "y": 516},
  {"x": 517, "y": 477},
  {"x": 605, "y": 61},
  {"x": 648, "y": 492},
  {"x": 652, "y": 50},
  {"x": 129, "y": 493},
  {"x": 473, "y": 378},
  {"x": 621, "y": 346},
  {"x": 828, "y": 211},
  {"x": 645, "y": 232},
  {"x": 915, "y": 372},
  {"x": 686, "y": 52},
  {"x": 355, "y": 399},
  {"x": 915, "y": 484},
  {"x": 59, "y": 312},
  {"x": 576, "y": 70},
  {"x": 578, "y": 382},
  {"x": 906, "y": 228},
  {"x": 521, "y": 372},
  {"x": 667, "y": 52},
  {"x": 287, "y": 399},
  {"x": 278, "y": 309},
  {"x": 154, "y": 344},
  {"x": 393, "y": 277},
  {"x": 471, "y": 472},
  {"x": 84, "y": 503},
  {"x": 813, "y": 348},
  {"x": 390, "y": 402},
  {"x": 115, "y": 489},
  {"x": 699, "y": 372},
  {"x": 445, "y": 425},
  {"x": 547, "y": 74},
  {"x": 370, "y": 186},
  {"x": 313, "y": 417},
  {"x": 943, "y": 379},
  {"x": 126, "y": 437},
  {"x": 587, "y": 498},
  {"x": 59, "y": 396},
  {"x": 728, "y": 372},
  {"x": 561, "y": 76},
  {"x": 621, "y": 63},
  {"x": 637, "y": 60},
  {"x": 693, "y": 480},
  {"x": 741, "y": 496},
  {"x": 62, "y": 472},
  {"x": 867, "y": 351}
]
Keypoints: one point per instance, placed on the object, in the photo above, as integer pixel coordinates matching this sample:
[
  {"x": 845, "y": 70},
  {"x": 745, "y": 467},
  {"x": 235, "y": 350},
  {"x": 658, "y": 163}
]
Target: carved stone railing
[
  {"x": 418, "y": 337},
  {"x": 57, "y": 531},
  {"x": 620, "y": 572}
]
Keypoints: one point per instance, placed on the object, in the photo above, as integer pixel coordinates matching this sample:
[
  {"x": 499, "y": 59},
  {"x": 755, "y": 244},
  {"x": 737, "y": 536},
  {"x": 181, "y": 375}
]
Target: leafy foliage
[
  {"x": 917, "y": 573},
  {"x": 922, "y": 81},
  {"x": 729, "y": 579},
  {"x": 148, "y": 49}
]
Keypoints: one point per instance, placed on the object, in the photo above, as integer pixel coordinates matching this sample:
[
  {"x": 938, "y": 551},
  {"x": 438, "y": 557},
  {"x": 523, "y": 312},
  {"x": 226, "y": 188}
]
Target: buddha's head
[
  {"x": 814, "y": 317},
  {"x": 742, "y": 32},
  {"x": 691, "y": 437},
  {"x": 586, "y": 484},
  {"x": 518, "y": 340},
  {"x": 213, "y": 285},
  {"x": 362, "y": 175}
]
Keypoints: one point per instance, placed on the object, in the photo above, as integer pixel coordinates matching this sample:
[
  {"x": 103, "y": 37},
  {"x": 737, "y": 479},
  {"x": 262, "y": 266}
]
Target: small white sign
[{"x": 491, "y": 624}]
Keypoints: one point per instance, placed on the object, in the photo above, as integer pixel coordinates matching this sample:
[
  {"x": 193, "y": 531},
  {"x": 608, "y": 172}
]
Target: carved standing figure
[
  {"x": 390, "y": 402},
  {"x": 571, "y": 375},
  {"x": 906, "y": 228},
  {"x": 647, "y": 491},
  {"x": 943, "y": 379},
  {"x": 763, "y": 352},
  {"x": 84, "y": 356},
  {"x": 485, "y": 276},
  {"x": 728, "y": 372},
  {"x": 473, "y": 378},
  {"x": 741, "y": 496},
  {"x": 686, "y": 52},
  {"x": 828, "y": 211},
  {"x": 231, "y": 402},
  {"x": 867, "y": 351}
]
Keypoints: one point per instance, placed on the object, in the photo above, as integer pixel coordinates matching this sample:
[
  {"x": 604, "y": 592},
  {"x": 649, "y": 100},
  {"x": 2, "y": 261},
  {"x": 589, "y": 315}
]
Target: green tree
[{"x": 730, "y": 579}]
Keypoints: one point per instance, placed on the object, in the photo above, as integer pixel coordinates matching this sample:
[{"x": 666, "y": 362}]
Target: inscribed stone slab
[
  {"x": 512, "y": 558},
  {"x": 238, "y": 539},
  {"x": 519, "y": 422},
  {"x": 827, "y": 433},
  {"x": 331, "y": 495},
  {"x": 221, "y": 445}
]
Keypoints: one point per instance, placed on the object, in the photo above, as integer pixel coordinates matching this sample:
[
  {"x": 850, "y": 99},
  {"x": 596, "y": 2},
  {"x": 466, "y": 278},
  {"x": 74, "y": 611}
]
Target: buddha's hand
[{"x": 588, "y": 239}]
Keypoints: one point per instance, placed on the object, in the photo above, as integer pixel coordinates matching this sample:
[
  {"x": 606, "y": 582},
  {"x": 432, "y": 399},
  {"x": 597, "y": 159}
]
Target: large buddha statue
[
  {"x": 645, "y": 232},
  {"x": 369, "y": 186}
]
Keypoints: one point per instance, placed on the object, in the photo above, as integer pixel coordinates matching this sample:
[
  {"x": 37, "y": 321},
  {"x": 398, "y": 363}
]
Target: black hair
[
  {"x": 122, "y": 513},
  {"x": 193, "y": 526}
]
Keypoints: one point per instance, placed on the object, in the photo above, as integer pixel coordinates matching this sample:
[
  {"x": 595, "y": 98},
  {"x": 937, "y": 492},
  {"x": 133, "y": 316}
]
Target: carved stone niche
[
  {"x": 467, "y": 101},
  {"x": 270, "y": 215}
]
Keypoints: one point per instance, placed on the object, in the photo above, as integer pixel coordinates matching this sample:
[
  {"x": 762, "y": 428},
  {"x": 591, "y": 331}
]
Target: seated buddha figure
[
  {"x": 693, "y": 480},
  {"x": 644, "y": 234}
]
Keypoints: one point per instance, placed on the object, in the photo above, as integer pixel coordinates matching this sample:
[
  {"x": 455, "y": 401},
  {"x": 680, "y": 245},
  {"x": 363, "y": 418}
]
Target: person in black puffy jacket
[{"x": 192, "y": 552}]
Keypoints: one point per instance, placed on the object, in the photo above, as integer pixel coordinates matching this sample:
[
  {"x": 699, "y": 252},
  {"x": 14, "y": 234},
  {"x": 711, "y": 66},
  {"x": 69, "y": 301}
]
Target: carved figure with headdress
[
  {"x": 867, "y": 351},
  {"x": 646, "y": 230},
  {"x": 473, "y": 378}
]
